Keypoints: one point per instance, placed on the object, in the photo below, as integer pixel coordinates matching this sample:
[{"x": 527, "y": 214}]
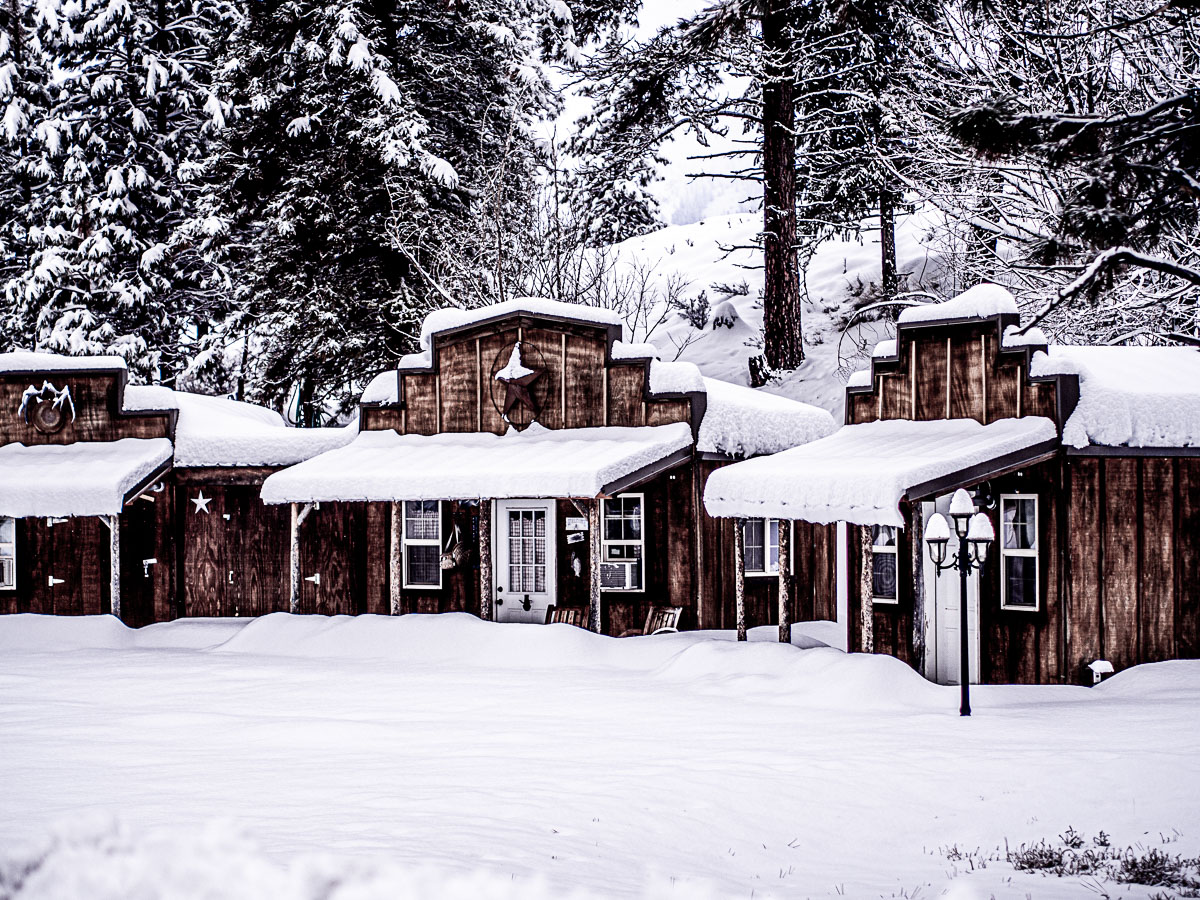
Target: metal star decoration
[
  {"x": 201, "y": 503},
  {"x": 517, "y": 379}
]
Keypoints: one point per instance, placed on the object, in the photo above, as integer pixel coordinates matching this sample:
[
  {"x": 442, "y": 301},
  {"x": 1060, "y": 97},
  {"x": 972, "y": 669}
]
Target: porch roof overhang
[
  {"x": 861, "y": 473},
  {"x": 537, "y": 462},
  {"x": 87, "y": 478}
]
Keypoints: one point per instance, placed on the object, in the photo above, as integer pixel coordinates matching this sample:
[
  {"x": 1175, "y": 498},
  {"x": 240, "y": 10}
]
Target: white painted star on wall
[{"x": 201, "y": 503}]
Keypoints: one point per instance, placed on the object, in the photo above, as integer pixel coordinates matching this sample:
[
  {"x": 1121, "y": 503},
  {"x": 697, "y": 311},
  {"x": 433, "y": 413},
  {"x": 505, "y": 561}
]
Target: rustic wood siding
[{"x": 97, "y": 411}]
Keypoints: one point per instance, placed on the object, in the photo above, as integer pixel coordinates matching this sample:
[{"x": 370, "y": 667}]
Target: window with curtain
[
  {"x": 1019, "y": 551},
  {"x": 422, "y": 543},
  {"x": 8, "y": 553},
  {"x": 884, "y": 580},
  {"x": 760, "y": 546}
]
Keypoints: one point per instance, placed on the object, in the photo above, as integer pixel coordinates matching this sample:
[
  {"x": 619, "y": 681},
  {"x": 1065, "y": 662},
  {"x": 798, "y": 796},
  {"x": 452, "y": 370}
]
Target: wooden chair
[
  {"x": 660, "y": 620},
  {"x": 568, "y": 615}
]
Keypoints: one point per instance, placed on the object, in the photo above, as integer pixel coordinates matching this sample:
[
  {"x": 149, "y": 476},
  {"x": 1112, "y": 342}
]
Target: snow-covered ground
[
  {"x": 719, "y": 251},
  {"x": 430, "y": 757}
]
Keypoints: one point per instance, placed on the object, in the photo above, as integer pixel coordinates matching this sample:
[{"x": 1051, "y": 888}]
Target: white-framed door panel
[
  {"x": 525, "y": 577},
  {"x": 943, "y": 619}
]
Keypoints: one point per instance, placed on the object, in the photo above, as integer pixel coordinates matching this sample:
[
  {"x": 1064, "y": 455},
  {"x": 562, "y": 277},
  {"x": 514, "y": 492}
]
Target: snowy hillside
[
  {"x": 718, "y": 251},
  {"x": 445, "y": 758}
]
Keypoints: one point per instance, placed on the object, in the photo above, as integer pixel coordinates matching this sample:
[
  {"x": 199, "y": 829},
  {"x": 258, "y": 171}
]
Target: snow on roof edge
[
  {"x": 27, "y": 361},
  {"x": 450, "y": 318}
]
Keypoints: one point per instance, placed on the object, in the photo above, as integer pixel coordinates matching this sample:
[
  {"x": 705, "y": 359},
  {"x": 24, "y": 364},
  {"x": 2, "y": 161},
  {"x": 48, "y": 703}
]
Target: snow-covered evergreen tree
[
  {"x": 106, "y": 161},
  {"x": 378, "y": 160}
]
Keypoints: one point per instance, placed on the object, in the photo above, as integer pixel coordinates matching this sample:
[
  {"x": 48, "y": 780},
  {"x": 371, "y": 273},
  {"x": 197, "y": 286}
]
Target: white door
[
  {"x": 525, "y": 575},
  {"x": 941, "y": 604}
]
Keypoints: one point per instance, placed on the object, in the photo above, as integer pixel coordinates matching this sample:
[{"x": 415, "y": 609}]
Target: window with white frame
[
  {"x": 884, "y": 581},
  {"x": 1019, "y": 562},
  {"x": 623, "y": 543},
  {"x": 422, "y": 543},
  {"x": 760, "y": 547},
  {"x": 8, "y": 553}
]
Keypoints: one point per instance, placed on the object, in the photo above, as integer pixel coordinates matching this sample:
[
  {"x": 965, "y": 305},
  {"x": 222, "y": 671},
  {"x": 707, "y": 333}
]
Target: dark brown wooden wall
[
  {"x": 1134, "y": 560},
  {"x": 812, "y": 586},
  {"x": 97, "y": 410},
  {"x": 891, "y": 623},
  {"x": 956, "y": 372},
  {"x": 580, "y": 387},
  {"x": 233, "y": 560},
  {"x": 74, "y": 550}
]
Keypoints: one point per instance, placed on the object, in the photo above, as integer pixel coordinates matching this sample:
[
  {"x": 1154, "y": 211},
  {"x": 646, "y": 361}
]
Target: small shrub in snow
[
  {"x": 1074, "y": 856},
  {"x": 725, "y": 315},
  {"x": 694, "y": 309}
]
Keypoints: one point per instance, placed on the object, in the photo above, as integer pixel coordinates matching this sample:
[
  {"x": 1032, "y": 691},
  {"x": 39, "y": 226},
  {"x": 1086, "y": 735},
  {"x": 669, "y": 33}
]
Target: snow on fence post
[
  {"x": 916, "y": 533},
  {"x": 395, "y": 570},
  {"x": 114, "y": 562},
  {"x": 594, "y": 617},
  {"x": 739, "y": 570},
  {"x": 866, "y": 591},
  {"x": 485, "y": 559},
  {"x": 785, "y": 555}
]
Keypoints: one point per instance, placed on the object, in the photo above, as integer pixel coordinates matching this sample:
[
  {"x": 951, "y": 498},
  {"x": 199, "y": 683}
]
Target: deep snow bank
[
  {"x": 807, "y": 670},
  {"x": 99, "y": 860}
]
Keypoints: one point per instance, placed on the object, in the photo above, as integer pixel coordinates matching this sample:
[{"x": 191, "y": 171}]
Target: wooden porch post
[
  {"x": 917, "y": 539},
  {"x": 114, "y": 557},
  {"x": 594, "y": 612},
  {"x": 866, "y": 591},
  {"x": 298, "y": 516},
  {"x": 485, "y": 559},
  {"x": 395, "y": 566},
  {"x": 785, "y": 555},
  {"x": 739, "y": 573}
]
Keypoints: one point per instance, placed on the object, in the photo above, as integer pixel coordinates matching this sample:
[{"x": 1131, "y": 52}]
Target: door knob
[{"x": 500, "y": 601}]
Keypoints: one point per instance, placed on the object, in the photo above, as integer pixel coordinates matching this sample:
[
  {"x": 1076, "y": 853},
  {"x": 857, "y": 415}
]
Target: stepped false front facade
[
  {"x": 526, "y": 459},
  {"x": 1085, "y": 459}
]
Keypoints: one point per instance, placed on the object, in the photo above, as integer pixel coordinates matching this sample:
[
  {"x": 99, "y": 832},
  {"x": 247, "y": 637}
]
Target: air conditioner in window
[{"x": 618, "y": 576}]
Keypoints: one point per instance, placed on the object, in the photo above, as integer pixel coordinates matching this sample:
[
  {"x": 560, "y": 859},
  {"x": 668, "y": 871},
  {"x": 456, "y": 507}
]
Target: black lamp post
[{"x": 974, "y": 532}]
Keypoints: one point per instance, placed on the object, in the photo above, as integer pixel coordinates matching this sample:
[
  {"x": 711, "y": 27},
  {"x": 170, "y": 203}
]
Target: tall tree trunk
[
  {"x": 783, "y": 345},
  {"x": 890, "y": 281}
]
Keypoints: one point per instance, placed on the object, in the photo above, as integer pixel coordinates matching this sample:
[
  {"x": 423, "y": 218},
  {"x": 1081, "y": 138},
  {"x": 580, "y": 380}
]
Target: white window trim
[
  {"x": 9, "y": 551},
  {"x": 406, "y": 542},
  {"x": 772, "y": 573},
  {"x": 605, "y": 543},
  {"x": 894, "y": 550},
  {"x": 1035, "y": 553}
]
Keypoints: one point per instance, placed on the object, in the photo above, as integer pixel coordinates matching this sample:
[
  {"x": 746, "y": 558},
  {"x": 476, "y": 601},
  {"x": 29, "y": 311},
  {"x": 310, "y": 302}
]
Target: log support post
[
  {"x": 395, "y": 560},
  {"x": 114, "y": 562},
  {"x": 916, "y": 539},
  {"x": 785, "y": 556},
  {"x": 866, "y": 590},
  {"x": 485, "y": 559},
  {"x": 739, "y": 572},
  {"x": 299, "y": 514},
  {"x": 595, "y": 618}
]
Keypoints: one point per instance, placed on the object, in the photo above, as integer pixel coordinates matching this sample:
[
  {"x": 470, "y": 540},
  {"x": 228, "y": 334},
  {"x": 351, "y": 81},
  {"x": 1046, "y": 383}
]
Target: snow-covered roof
[
  {"x": 980, "y": 302},
  {"x": 215, "y": 431},
  {"x": 860, "y": 473},
  {"x": 87, "y": 478},
  {"x": 741, "y": 421},
  {"x": 1129, "y": 396},
  {"x": 383, "y": 388},
  {"x": 624, "y": 350},
  {"x": 859, "y": 379},
  {"x": 26, "y": 361},
  {"x": 537, "y": 462},
  {"x": 446, "y": 319},
  {"x": 675, "y": 378}
]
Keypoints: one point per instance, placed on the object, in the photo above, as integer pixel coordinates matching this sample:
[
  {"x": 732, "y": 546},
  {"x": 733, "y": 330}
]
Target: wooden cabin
[
  {"x": 527, "y": 458},
  {"x": 1086, "y": 459}
]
